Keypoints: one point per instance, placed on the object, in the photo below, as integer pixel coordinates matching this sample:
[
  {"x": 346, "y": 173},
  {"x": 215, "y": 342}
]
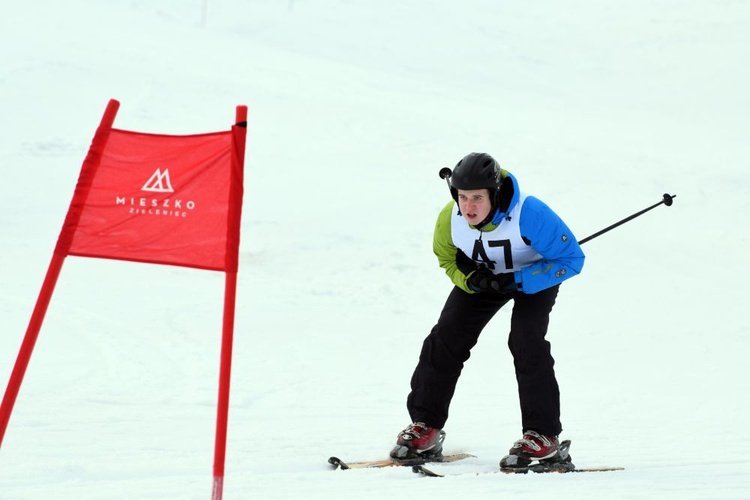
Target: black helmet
[{"x": 476, "y": 171}]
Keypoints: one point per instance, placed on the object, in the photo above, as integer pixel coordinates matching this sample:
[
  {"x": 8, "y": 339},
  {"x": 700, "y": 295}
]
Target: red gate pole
[
  {"x": 222, "y": 410},
  {"x": 90, "y": 164},
  {"x": 230, "y": 292},
  {"x": 29, "y": 340}
]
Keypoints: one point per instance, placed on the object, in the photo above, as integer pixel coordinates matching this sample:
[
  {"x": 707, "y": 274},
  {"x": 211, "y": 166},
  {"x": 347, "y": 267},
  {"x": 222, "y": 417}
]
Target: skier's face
[{"x": 475, "y": 204}]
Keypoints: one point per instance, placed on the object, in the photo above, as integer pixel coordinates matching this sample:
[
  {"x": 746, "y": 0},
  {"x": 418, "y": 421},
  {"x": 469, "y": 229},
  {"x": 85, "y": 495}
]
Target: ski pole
[{"x": 666, "y": 200}]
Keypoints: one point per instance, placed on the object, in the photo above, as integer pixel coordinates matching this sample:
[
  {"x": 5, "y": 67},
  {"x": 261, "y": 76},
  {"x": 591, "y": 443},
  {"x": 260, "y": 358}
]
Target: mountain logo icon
[{"x": 159, "y": 182}]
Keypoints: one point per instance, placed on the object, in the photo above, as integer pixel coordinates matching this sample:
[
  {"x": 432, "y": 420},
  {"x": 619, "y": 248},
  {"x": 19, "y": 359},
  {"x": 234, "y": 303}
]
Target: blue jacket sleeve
[{"x": 562, "y": 257}]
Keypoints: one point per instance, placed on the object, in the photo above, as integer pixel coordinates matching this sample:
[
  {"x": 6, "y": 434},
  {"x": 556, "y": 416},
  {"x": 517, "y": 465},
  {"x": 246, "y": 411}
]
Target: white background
[{"x": 597, "y": 107}]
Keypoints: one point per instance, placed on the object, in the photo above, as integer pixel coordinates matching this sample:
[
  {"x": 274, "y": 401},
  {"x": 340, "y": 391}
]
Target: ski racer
[{"x": 496, "y": 244}]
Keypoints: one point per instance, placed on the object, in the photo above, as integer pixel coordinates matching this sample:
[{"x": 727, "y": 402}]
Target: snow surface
[{"x": 598, "y": 108}]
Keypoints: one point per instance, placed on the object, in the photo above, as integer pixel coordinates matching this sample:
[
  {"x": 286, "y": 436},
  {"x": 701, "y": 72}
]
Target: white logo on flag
[{"x": 159, "y": 182}]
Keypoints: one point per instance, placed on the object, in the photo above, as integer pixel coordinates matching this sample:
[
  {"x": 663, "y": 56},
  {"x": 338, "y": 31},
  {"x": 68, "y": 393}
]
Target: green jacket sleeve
[{"x": 455, "y": 263}]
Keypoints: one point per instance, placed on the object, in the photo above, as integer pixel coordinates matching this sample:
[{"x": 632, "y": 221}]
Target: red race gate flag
[{"x": 162, "y": 199}]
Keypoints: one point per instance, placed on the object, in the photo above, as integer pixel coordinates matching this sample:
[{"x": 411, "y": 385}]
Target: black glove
[
  {"x": 504, "y": 283},
  {"x": 479, "y": 280},
  {"x": 483, "y": 280}
]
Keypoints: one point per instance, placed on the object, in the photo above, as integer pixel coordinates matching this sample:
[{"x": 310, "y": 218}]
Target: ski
[
  {"x": 561, "y": 463},
  {"x": 543, "y": 468},
  {"x": 421, "y": 469},
  {"x": 389, "y": 462}
]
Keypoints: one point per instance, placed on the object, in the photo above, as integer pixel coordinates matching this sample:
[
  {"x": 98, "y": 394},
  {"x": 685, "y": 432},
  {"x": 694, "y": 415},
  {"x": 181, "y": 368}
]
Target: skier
[{"x": 496, "y": 244}]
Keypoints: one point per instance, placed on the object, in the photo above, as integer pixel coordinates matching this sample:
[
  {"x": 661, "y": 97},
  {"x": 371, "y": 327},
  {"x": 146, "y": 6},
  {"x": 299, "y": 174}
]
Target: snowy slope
[{"x": 597, "y": 107}]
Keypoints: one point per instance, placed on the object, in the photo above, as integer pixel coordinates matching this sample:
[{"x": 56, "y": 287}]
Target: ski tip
[
  {"x": 337, "y": 463},
  {"x": 419, "y": 469}
]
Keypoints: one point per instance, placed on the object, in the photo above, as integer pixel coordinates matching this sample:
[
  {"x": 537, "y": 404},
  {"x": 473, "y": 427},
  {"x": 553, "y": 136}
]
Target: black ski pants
[{"x": 448, "y": 346}]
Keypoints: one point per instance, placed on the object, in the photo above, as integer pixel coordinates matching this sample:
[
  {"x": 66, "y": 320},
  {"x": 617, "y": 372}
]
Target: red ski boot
[
  {"x": 419, "y": 441},
  {"x": 532, "y": 446}
]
